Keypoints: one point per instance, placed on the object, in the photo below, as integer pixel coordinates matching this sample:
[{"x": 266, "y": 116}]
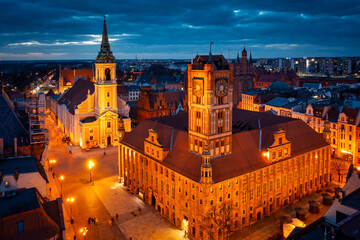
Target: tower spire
[
  {"x": 105, "y": 54},
  {"x": 210, "y": 54},
  {"x": 237, "y": 57}
]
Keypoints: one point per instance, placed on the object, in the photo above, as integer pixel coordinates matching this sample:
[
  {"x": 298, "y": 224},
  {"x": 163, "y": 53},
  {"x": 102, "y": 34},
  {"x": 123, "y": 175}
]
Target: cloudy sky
[{"x": 53, "y": 29}]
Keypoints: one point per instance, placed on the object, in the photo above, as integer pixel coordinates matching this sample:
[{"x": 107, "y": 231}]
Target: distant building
[
  {"x": 264, "y": 78},
  {"x": 157, "y": 104},
  {"x": 134, "y": 92},
  {"x": 243, "y": 76},
  {"x": 67, "y": 77}
]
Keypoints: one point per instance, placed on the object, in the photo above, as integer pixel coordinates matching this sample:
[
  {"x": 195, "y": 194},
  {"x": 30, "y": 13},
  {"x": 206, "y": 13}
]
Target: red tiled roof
[
  {"x": 288, "y": 76},
  {"x": 38, "y": 225},
  {"x": 122, "y": 90},
  {"x": 351, "y": 114},
  {"x": 77, "y": 94},
  {"x": 69, "y": 74},
  {"x": 245, "y": 155},
  {"x": 173, "y": 98}
]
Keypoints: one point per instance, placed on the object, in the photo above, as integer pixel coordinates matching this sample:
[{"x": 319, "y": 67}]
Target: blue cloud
[{"x": 177, "y": 29}]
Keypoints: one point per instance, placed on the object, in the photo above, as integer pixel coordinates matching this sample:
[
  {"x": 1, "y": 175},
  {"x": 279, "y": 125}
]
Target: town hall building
[
  {"x": 216, "y": 160},
  {"x": 88, "y": 111}
]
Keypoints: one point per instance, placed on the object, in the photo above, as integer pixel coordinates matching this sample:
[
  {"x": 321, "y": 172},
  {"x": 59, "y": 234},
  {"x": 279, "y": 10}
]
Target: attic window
[
  {"x": 20, "y": 227},
  {"x": 280, "y": 141}
]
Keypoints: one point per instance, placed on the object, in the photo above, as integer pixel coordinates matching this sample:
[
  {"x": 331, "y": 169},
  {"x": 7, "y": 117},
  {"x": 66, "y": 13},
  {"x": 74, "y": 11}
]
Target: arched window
[{"x": 107, "y": 74}]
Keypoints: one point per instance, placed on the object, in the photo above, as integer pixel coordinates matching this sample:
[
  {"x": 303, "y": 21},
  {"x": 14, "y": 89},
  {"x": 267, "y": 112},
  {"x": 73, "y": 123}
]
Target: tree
[
  {"x": 339, "y": 167},
  {"x": 218, "y": 217}
]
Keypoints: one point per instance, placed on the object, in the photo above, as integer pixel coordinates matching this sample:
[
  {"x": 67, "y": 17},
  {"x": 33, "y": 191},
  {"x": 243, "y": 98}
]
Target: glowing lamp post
[
  {"x": 83, "y": 231},
  {"x": 70, "y": 200},
  {"x": 90, "y": 165},
  {"x": 52, "y": 163},
  {"x": 61, "y": 179}
]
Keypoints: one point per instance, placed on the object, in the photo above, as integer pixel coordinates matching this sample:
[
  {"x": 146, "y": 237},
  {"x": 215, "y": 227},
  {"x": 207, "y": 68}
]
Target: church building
[
  {"x": 88, "y": 111},
  {"x": 216, "y": 162}
]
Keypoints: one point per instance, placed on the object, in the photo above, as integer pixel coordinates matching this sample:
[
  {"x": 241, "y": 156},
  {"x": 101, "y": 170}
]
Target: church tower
[
  {"x": 105, "y": 77},
  {"x": 106, "y": 93},
  {"x": 210, "y": 93}
]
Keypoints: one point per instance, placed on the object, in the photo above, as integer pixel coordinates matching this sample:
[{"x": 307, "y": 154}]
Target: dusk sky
[{"x": 52, "y": 29}]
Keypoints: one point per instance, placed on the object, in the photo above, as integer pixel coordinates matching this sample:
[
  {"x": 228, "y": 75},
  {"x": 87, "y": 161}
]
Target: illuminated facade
[
  {"x": 88, "y": 112},
  {"x": 344, "y": 128},
  {"x": 214, "y": 155}
]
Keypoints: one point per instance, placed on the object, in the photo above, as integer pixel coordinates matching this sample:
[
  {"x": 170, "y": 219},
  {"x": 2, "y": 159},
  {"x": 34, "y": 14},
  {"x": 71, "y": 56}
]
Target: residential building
[
  {"x": 25, "y": 214},
  {"x": 22, "y": 172}
]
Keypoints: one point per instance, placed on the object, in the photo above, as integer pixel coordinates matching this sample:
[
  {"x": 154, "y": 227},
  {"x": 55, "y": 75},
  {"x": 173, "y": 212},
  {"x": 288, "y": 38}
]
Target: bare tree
[
  {"x": 339, "y": 167},
  {"x": 219, "y": 217}
]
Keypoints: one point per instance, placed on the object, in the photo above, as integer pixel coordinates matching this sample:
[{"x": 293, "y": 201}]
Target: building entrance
[{"x": 108, "y": 140}]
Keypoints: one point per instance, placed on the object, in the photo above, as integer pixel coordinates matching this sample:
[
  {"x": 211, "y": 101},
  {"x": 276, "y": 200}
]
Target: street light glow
[
  {"x": 71, "y": 199},
  {"x": 91, "y": 164},
  {"x": 61, "y": 178}
]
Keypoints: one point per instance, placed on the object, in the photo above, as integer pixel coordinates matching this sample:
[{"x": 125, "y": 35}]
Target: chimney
[
  {"x": 1, "y": 148},
  {"x": 15, "y": 147}
]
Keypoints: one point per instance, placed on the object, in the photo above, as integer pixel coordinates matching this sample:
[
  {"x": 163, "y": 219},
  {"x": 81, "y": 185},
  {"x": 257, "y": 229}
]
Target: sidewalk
[
  {"x": 55, "y": 193},
  {"x": 146, "y": 225}
]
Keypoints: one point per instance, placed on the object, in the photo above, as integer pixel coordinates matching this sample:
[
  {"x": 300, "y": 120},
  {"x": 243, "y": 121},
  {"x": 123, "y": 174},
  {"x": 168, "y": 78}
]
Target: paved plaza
[{"x": 146, "y": 224}]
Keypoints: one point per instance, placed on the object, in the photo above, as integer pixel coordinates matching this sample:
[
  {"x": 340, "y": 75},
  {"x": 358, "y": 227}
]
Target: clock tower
[{"x": 210, "y": 93}]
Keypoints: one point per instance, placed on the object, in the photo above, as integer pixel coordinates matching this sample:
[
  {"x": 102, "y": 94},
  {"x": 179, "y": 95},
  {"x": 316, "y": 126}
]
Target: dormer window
[{"x": 280, "y": 148}]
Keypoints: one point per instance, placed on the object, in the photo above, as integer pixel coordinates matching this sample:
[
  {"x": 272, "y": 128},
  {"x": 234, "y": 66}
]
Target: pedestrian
[
  {"x": 117, "y": 216},
  {"x": 50, "y": 190},
  {"x": 74, "y": 237},
  {"x": 53, "y": 174},
  {"x": 93, "y": 221},
  {"x": 89, "y": 220},
  {"x": 139, "y": 209}
]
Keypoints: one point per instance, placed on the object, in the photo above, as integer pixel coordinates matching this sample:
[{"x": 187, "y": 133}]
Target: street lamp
[
  {"x": 90, "y": 165},
  {"x": 70, "y": 200},
  {"x": 61, "y": 178},
  {"x": 52, "y": 162},
  {"x": 83, "y": 231}
]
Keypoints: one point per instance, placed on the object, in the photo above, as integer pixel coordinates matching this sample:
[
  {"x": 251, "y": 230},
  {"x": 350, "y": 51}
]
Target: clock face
[
  {"x": 198, "y": 87},
  {"x": 221, "y": 88}
]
